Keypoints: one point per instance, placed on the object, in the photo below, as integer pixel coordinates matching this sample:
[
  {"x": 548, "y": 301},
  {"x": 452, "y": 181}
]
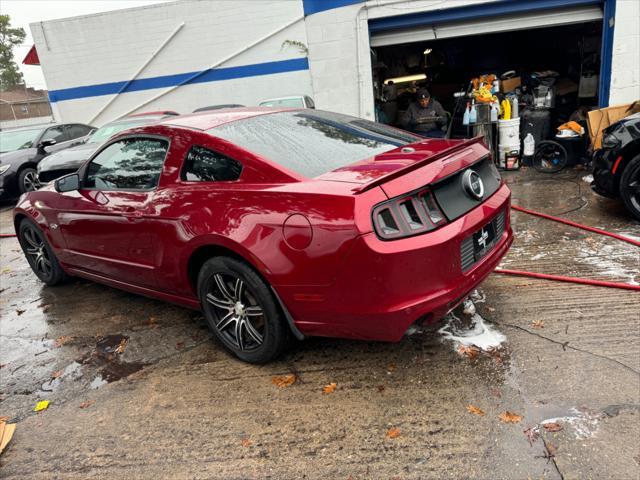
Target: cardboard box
[
  {"x": 601, "y": 119},
  {"x": 510, "y": 85}
]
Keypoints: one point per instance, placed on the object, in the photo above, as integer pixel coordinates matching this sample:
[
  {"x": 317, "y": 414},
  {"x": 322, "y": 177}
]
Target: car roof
[{"x": 210, "y": 119}]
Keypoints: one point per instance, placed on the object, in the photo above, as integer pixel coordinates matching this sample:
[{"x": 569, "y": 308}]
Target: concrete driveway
[{"x": 138, "y": 389}]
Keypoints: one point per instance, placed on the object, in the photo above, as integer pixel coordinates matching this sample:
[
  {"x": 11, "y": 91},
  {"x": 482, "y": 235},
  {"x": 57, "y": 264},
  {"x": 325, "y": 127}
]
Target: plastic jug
[
  {"x": 494, "y": 112},
  {"x": 514, "y": 107},
  {"x": 529, "y": 145},
  {"x": 473, "y": 114},
  {"x": 467, "y": 113}
]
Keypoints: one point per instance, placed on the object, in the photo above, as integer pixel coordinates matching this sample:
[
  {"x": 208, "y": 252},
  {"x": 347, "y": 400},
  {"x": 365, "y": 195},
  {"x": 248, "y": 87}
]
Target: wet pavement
[{"x": 139, "y": 389}]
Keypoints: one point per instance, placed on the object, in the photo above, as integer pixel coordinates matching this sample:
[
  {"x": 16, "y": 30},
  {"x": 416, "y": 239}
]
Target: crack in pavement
[{"x": 566, "y": 345}]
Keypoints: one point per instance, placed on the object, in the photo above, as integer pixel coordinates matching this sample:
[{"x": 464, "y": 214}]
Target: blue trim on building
[
  {"x": 165, "y": 81},
  {"x": 606, "y": 55},
  {"x": 315, "y": 6},
  {"x": 493, "y": 9}
]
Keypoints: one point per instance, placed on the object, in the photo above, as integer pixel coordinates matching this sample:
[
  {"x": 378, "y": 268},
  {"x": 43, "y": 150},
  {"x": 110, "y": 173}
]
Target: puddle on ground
[
  {"x": 110, "y": 344},
  {"x": 115, "y": 371},
  {"x": 70, "y": 372}
]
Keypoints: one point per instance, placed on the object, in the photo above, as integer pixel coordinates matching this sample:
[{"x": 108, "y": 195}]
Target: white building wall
[
  {"x": 625, "y": 66},
  {"x": 112, "y": 46}
]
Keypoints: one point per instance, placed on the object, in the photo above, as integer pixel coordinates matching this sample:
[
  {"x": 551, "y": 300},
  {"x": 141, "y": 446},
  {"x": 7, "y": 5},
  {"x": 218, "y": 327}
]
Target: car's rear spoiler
[{"x": 418, "y": 164}]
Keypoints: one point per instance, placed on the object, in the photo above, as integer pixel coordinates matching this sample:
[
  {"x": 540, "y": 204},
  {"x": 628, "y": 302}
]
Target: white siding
[
  {"x": 112, "y": 46},
  {"x": 625, "y": 66}
]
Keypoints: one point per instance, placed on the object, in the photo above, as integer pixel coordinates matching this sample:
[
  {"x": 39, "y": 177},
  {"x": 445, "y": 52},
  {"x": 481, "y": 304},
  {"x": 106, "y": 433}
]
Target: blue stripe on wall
[
  {"x": 314, "y": 6},
  {"x": 189, "y": 78}
]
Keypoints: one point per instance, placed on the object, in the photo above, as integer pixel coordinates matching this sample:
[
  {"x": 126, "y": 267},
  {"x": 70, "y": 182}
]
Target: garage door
[{"x": 381, "y": 37}]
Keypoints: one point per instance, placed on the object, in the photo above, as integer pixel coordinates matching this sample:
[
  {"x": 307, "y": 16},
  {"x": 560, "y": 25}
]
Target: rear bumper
[{"x": 385, "y": 286}]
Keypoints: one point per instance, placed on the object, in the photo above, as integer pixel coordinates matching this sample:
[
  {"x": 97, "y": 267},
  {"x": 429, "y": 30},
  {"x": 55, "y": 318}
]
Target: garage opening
[{"x": 560, "y": 52}]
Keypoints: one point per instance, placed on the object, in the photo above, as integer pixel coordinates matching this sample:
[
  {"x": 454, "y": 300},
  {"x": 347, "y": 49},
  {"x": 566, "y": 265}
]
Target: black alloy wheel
[
  {"x": 630, "y": 186},
  {"x": 241, "y": 310},
  {"x": 39, "y": 254},
  {"x": 28, "y": 180}
]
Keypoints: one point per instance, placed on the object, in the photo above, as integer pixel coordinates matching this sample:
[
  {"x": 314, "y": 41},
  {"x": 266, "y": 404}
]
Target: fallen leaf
[
  {"x": 470, "y": 352},
  {"x": 329, "y": 388},
  {"x": 56, "y": 374},
  {"x": 284, "y": 381},
  {"x": 60, "y": 341},
  {"x": 43, "y": 405},
  {"x": 552, "y": 427},
  {"x": 381, "y": 388},
  {"x": 393, "y": 433},
  {"x": 532, "y": 434},
  {"x": 20, "y": 312},
  {"x": 4, "y": 419},
  {"x": 537, "y": 324},
  {"x": 152, "y": 322},
  {"x": 87, "y": 404},
  {"x": 6, "y": 270},
  {"x": 246, "y": 442},
  {"x": 391, "y": 367},
  {"x": 510, "y": 417},
  {"x": 121, "y": 346},
  {"x": 474, "y": 409}
]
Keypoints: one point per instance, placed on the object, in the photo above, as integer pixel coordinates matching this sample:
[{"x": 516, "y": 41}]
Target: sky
[{"x": 24, "y": 12}]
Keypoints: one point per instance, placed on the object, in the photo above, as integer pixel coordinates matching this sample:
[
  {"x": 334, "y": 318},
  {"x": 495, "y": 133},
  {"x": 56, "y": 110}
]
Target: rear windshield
[{"x": 312, "y": 142}]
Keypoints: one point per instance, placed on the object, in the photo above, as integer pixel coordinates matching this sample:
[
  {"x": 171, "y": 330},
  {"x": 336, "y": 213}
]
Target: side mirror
[
  {"x": 68, "y": 183},
  {"x": 46, "y": 143}
]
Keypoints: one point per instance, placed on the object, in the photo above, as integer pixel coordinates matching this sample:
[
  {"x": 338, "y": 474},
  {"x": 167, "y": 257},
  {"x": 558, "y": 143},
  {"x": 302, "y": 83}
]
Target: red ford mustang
[{"x": 277, "y": 223}]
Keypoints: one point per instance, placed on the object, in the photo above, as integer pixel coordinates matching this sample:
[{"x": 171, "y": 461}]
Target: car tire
[
  {"x": 39, "y": 254},
  {"x": 630, "y": 186},
  {"x": 28, "y": 180},
  {"x": 241, "y": 310}
]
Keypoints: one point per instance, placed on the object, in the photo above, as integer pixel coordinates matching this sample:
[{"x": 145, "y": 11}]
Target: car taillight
[{"x": 406, "y": 216}]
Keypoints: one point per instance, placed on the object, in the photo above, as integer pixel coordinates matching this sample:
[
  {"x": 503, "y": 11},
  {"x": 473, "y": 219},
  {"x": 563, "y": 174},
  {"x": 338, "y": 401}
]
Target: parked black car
[
  {"x": 21, "y": 150},
  {"x": 616, "y": 166},
  {"x": 69, "y": 160}
]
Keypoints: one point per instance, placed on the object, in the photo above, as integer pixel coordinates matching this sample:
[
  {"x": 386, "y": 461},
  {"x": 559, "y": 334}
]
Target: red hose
[
  {"x": 577, "y": 225},
  {"x": 560, "y": 278},
  {"x": 7, "y": 235}
]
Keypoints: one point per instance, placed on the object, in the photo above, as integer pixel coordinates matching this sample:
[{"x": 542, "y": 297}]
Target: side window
[
  {"x": 204, "y": 165},
  {"x": 129, "y": 164},
  {"x": 56, "y": 133},
  {"x": 77, "y": 131}
]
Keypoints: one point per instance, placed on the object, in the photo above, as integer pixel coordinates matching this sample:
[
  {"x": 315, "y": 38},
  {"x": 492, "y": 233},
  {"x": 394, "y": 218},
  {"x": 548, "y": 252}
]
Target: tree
[{"x": 10, "y": 76}]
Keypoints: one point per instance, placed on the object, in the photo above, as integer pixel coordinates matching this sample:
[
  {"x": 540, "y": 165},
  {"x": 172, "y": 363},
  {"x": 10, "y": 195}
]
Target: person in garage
[{"x": 425, "y": 116}]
